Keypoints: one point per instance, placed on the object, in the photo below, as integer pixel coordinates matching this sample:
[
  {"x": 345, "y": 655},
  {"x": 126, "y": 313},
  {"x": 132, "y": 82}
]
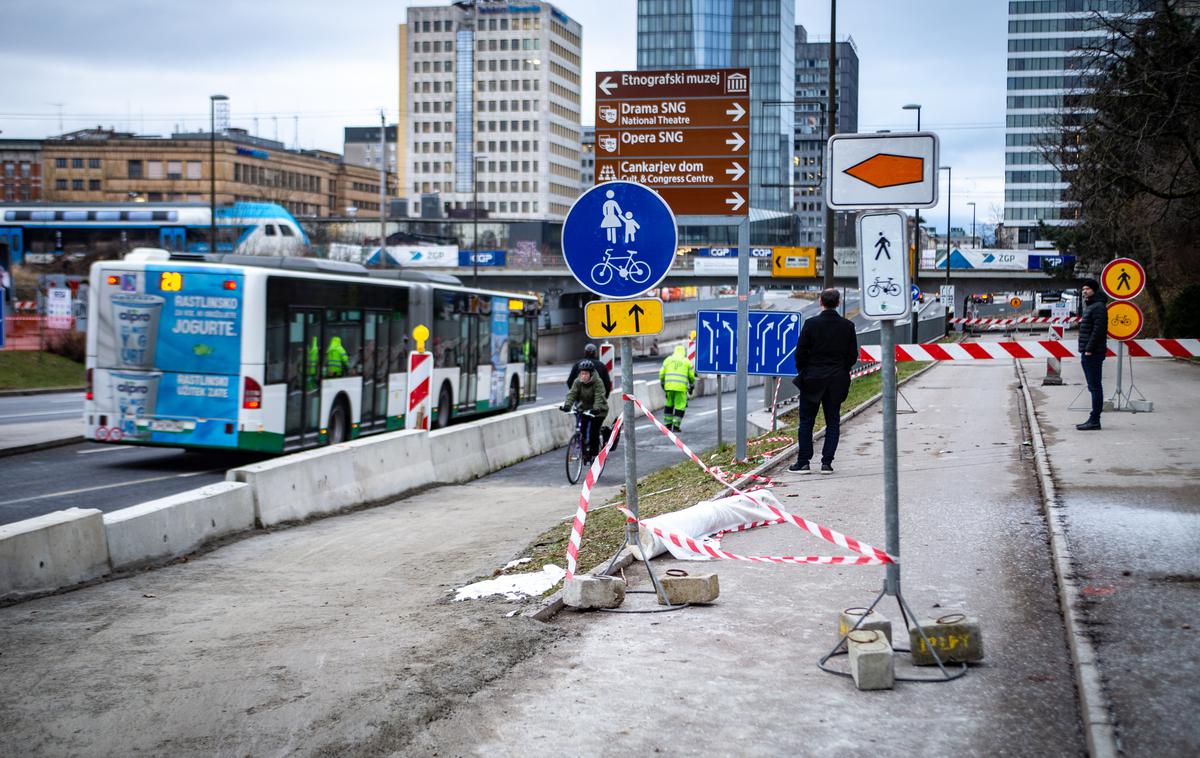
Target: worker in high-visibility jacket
[
  {"x": 678, "y": 379},
  {"x": 337, "y": 360}
]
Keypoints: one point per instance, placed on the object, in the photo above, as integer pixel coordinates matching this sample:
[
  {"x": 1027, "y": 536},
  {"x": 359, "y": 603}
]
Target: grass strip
[
  {"x": 31, "y": 369},
  {"x": 675, "y": 488}
]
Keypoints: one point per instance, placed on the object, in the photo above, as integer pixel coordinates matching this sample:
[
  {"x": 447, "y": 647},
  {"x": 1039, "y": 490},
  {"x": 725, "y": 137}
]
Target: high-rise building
[
  {"x": 811, "y": 91},
  {"x": 514, "y": 146},
  {"x": 1047, "y": 43},
  {"x": 360, "y": 146},
  {"x": 753, "y": 34},
  {"x": 587, "y": 157}
]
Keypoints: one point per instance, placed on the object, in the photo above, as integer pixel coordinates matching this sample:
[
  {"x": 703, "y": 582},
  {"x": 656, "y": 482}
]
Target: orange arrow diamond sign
[{"x": 888, "y": 170}]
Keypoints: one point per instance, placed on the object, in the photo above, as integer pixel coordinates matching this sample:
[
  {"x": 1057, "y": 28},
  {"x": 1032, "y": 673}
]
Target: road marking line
[
  {"x": 106, "y": 449},
  {"x": 40, "y": 413},
  {"x": 109, "y": 486}
]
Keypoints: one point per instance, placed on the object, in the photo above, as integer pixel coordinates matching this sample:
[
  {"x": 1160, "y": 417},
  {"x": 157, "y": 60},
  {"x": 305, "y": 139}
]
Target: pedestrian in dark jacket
[
  {"x": 589, "y": 354},
  {"x": 826, "y": 350},
  {"x": 1093, "y": 346}
]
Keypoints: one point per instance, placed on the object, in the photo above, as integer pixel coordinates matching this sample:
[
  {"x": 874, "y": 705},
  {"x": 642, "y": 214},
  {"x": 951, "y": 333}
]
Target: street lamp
[
  {"x": 475, "y": 161},
  {"x": 212, "y": 170},
  {"x": 914, "y": 107},
  {"x": 916, "y": 229},
  {"x": 974, "y": 244},
  {"x": 949, "y": 174}
]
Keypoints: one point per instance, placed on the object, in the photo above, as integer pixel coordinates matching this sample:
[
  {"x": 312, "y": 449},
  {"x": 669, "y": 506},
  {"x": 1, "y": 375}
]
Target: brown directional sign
[
  {"x": 684, "y": 133},
  {"x": 672, "y": 172},
  {"x": 681, "y": 112}
]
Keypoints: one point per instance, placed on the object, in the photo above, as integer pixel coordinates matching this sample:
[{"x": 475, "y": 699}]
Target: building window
[
  {"x": 193, "y": 169},
  {"x": 77, "y": 163},
  {"x": 60, "y": 184},
  {"x": 135, "y": 170},
  {"x": 60, "y": 162},
  {"x": 93, "y": 163},
  {"x": 94, "y": 185},
  {"x": 77, "y": 185},
  {"x": 154, "y": 170},
  {"x": 174, "y": 170}
]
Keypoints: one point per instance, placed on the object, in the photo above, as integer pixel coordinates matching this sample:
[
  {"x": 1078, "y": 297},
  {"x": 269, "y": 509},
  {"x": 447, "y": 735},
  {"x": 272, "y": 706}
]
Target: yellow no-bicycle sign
[{"x": 623, "y": 318}]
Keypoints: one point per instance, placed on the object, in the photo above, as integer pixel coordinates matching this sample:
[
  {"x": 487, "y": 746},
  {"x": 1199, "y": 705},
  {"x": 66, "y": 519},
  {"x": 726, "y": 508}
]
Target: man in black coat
[
  {"x": 826, "y": 350},
  {"x": 1093, "y": 346}
]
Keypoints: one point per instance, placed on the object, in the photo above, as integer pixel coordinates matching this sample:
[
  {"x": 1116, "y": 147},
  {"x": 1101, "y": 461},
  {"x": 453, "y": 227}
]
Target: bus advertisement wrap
[
  {"x": 499, "y": 388},
  {"x": 172, "y": 345}
]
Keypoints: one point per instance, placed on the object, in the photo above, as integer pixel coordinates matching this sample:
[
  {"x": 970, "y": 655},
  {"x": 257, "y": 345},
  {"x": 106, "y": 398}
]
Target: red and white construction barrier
[
  {"x": 986, "y": 351},
  {"x": 419, "y": 405},
  {"x": 24, "y": 305},
  {"x": 870, "y": 368},
  {"x": 606, "y": 357},
  {"x": 691, "y": 351},
  {"x": 1017, "y": 320},
  {"x": 585, "y": 499}
]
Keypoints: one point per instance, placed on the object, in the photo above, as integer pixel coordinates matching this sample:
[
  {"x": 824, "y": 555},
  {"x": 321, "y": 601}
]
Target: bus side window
[
  {"x": 446, "y": 342},
  {"x": 343, "y": 343},
  {"x": 277, "y": 340},
  {"x": 400, "y": 341}
]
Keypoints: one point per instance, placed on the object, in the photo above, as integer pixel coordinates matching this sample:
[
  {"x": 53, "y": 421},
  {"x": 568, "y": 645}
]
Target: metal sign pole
[
  {"x": 1119, "y": 404},
  {"x": 631, "y": 501},
  {"x": 743, "y": 336},
  {"x": 720, "y": 411},
  {"x": 891, "y": 476}
]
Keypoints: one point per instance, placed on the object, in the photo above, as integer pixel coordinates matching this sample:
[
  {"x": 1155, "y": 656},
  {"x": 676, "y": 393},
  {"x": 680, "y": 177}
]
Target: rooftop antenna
[
  {"x": 275, "y": 120},
  {"x": 60, "y": 115},
  {"x": 296, "y": 132}
]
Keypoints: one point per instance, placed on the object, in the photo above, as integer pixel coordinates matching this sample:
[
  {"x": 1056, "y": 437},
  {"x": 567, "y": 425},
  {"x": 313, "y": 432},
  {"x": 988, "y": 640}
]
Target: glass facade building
[
  {"x": 811, "y": 91},
  {"x": 753, "y": 34}
]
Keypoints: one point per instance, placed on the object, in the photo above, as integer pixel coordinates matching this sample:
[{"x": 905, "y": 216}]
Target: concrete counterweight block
[
  {"x": 588, "y": 591},
  {"x": 955, "y": 637},
  {"x": 874, "y": 621},
  {"x": 872, "y": 663},
  {"x": 689, "y": 588}
]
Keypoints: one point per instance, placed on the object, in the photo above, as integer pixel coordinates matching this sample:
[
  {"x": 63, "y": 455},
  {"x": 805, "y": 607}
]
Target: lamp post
[
  {"x": 914, "y": 318},
  {"x": 974, "y": 244},
  {"x": 949, "y": 174},
  {"x": 475, "y": 161},
  {"x": 212, "y": 170}
]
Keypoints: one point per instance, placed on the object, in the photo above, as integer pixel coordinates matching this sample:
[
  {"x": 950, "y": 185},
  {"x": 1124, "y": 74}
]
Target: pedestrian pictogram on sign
[
  {"x": 1015, "y": 302},
  {"x": 881, "y": 247},
  {"x": 623, "y": 318},
  {"x": 1123, "y": 279}
]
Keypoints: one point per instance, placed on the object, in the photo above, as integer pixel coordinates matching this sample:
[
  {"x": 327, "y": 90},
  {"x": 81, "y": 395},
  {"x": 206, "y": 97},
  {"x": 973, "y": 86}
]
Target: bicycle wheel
[
  {"x": 602, "y": 273},
  {"x": 639, "y": 272},
  {"x": 873, "y": 290},
  {"x": 574, "y": 458}
]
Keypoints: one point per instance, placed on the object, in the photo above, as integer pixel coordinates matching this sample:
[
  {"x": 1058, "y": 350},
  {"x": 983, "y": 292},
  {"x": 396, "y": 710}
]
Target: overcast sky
[{"x": 307, "y": 68}]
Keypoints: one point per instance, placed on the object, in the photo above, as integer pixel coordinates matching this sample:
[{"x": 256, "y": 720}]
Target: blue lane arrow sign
[
  {"x": 619, "y": 239},
  {"x": 772, "y": 342}
]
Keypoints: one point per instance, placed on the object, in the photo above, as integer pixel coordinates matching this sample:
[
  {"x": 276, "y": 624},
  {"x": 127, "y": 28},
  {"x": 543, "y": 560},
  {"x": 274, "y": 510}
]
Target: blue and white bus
[
  {"x": 41, "y": 232},
  {"x": 280, "y": 354}
]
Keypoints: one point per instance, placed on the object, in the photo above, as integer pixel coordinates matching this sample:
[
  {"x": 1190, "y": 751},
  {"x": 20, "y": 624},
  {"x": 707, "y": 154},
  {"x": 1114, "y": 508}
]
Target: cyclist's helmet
[
  {"x": 589, "y": 350},
  {"x": 586, "y": 365}
]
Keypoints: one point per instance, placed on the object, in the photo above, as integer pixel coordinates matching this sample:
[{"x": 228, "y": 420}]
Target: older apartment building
[{"x": 99, "y": 165}]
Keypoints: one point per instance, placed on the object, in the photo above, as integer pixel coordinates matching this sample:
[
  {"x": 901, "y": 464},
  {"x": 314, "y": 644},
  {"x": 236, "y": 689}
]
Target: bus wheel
[
  {"x": 514, "y": 395},
  {"x": 443, "y": 408},
  {"x": 339, "y": 423}
]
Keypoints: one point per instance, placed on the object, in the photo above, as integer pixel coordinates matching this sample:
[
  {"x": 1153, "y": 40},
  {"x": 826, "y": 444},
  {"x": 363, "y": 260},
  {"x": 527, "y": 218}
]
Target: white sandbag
[{"x": 704, "y": 519}]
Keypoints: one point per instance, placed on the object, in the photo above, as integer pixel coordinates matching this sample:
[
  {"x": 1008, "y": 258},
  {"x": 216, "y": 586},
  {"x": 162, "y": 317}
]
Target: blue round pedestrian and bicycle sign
[{"x": 619, "y": 239}]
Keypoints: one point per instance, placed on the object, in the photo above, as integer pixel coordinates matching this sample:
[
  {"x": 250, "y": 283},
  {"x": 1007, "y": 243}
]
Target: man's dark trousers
[
  {"x": 1093, "y": 371},
  {"x": 827, "y": 395}
]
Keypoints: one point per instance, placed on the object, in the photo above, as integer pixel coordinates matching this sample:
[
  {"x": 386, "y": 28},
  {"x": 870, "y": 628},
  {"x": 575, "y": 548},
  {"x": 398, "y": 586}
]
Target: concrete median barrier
[
  {"x": 457, "y": 454},
  {"x": 173, "y": 526},
  {"x": 549, "y": 428},
  {"x": 506, "y": 439},
  {"x": 389, "y": 465},
  {"x": 52, "y": 551},
  {"x": 305, "y": 484}
]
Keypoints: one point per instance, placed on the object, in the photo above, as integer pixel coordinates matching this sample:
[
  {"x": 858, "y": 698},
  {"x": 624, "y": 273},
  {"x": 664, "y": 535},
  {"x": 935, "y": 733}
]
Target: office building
[
  {"x": 514, "y": 146},
  {"x": 102, "y": 165},
  {"x": 587, "y": 157},
  {"x": 753, "y": 34},
  {"x": 20, "y": 170},
  {"x": 1046, "y": 40},
  {"x": 360, "y": 146},
  {"x": 811, "y": 92}
]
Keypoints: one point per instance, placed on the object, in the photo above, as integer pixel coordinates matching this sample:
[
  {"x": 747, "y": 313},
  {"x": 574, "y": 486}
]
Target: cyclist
[
  {"x": 587, "y": 394},
  {"x": 678, "y": 379},
  {"x": 589, "y": 354}
]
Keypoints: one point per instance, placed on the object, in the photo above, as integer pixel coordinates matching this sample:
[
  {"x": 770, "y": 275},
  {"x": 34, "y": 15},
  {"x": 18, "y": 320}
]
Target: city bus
[
  {"x": 282, "y": 354},
  {"x": 41, "y": 232}
]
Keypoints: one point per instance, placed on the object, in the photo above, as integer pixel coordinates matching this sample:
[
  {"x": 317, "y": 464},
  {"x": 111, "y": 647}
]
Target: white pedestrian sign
[{"x": 883, "y": 277}]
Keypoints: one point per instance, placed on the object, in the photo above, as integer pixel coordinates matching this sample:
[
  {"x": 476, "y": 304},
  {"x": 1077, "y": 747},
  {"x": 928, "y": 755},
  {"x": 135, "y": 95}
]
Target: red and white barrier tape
[
  {"x": 585, "y": 499},
  {"x": 1017, "y": 320},
  {"x": 825, "y": 533},
  {"x": 986, "y": 351},
  {"x": 700, "y": 548},
  {"x": 865, "y": 370}
]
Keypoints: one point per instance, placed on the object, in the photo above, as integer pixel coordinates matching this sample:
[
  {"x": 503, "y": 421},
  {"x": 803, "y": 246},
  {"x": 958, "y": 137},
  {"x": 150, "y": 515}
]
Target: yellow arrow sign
[
  {"x": 794, "y": 261},
  {"x": 623, "y": 318}
]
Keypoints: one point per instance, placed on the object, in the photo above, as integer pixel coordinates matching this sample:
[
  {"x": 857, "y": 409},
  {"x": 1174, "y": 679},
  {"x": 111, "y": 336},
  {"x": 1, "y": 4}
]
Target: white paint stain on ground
[{"x": 514, "y": 586}]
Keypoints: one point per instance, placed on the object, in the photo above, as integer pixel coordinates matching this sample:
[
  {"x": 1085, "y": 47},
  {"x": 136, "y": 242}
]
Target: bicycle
[
  {"x": 575, "y": 458},
  {"x": 637, "y": 272},
  {"x": 883, "y": 285}
]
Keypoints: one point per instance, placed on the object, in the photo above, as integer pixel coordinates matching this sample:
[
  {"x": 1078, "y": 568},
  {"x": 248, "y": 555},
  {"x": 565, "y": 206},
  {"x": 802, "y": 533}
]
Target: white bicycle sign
[{"x": 626, "y": 267}]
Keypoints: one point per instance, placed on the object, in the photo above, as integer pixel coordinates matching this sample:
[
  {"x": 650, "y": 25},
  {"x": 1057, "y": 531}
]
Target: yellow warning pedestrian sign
[
  {"x": 1015, "y": 302},
  {"x": 1124, "y": 320},
  {"x": 794, "y": 262},
  {"x": 623, "y": 318},
  {"x": 1123, "y": 279}
]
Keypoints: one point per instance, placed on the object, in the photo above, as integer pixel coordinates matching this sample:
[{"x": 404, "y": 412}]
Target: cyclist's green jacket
[
  {"x": 677, "y": 374},
  {"x": 589, "y": 395}
]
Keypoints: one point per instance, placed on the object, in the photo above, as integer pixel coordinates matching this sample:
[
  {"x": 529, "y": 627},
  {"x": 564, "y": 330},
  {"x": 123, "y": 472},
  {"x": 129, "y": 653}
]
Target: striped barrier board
[
  {"x": 420, "y": 376},
  {"x": 987, "y": 351},
  {"x": 1017, "y": 320}
]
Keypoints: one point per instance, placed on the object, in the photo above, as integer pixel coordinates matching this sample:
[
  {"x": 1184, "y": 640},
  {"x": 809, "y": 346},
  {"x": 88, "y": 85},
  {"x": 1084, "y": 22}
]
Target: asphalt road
[
  {"x": 111, "y": 477},
  {"x": 23, "y": 409}
]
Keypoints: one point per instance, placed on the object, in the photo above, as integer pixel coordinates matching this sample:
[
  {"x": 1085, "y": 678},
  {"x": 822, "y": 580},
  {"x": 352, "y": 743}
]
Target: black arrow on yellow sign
[
  {"x": 608, "y": 323},
  {"x": 636, "y": 311}
]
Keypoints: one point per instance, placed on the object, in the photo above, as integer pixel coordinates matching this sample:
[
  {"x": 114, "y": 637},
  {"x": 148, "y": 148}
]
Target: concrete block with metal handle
[
  {"x": 956, "y": 637},
  {"x": 681, "y": 587},
  {"x": 874, "y": 621},
  {"x": 872, "y": 662},
  {"x": 588, "y": 592}
]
